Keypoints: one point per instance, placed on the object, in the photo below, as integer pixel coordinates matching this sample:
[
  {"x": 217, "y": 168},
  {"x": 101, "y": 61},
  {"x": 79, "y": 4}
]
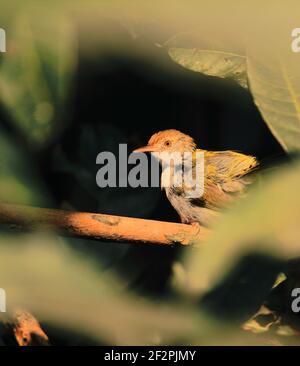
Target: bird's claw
[{"x": 196, "y": 225}]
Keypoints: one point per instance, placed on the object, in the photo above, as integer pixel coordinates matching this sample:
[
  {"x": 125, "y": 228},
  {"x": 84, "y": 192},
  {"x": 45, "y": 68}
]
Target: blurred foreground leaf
[
  {"x": 66, "y": 290},
  {"x": 213, "y": 63},
  {"x": 40, "y": 274},
  {"x": 266, "y": 222}
]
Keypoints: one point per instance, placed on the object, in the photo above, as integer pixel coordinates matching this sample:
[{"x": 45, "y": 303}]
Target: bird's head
[{"x": 169, "y": 141}]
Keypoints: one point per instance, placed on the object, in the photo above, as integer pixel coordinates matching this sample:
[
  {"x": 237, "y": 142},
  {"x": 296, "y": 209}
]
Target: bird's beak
[{"x": 147, "y": 148}]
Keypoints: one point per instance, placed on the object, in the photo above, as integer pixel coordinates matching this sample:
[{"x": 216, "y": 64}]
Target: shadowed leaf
[{"x": 35, "y": 75}]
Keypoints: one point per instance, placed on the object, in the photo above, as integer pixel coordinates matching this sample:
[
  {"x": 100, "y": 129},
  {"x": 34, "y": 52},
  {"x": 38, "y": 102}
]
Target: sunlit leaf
[
  {"x": 214, "y": 63},
  {"x": 275, "y": 85}
]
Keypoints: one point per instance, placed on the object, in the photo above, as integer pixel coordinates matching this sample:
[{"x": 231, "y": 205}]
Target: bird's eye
[{"x": 167, "y": 143}]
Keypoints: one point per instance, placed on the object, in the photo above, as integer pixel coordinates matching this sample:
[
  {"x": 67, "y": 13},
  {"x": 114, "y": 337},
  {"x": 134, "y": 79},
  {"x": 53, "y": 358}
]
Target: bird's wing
[
  {"x": 225, "y": 176},
  {"x": 230, "y": 163}
]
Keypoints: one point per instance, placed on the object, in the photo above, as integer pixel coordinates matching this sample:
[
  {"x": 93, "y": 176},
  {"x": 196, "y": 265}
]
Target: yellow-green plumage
[{"x": 225, "y": 176}]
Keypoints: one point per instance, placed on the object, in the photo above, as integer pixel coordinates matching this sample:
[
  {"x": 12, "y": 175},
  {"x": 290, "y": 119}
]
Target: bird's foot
[{"x": 196, "y": 225}]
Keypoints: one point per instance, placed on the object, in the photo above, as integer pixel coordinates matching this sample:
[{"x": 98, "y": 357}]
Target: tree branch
[
  {"x": 28, "y": 331},
  {"x": 100, "y": 227}
]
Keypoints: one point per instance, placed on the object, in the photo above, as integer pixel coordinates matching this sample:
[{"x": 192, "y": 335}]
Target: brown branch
[
  {"x": 28, "y": 331},
  {"x": 99, "y": 226}
]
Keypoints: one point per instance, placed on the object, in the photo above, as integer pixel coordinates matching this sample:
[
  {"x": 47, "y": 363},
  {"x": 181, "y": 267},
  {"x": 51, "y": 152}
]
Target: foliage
[
  {"x": 90, "y": 296},
  {"x": 36, "y": 76},
  {"x": 275, "y": 88}
]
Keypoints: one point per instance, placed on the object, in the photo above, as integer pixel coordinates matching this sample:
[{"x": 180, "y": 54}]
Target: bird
[{"x": 226, "y": 176}]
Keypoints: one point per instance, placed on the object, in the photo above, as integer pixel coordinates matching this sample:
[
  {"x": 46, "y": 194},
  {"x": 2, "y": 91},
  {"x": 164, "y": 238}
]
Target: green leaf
[
  {"x": 62, "y": 288},
  {"x": 275, "y": 86},
  {"x": 19, "y": 182},
  {"x": 35, "y": 75},
  {"x": 214, "y": 63},
  {"x": 266, "y": 221}
]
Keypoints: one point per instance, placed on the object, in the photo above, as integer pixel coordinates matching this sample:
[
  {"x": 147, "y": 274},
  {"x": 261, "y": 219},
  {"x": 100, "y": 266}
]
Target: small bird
[{"x": 226, "y": 176}]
